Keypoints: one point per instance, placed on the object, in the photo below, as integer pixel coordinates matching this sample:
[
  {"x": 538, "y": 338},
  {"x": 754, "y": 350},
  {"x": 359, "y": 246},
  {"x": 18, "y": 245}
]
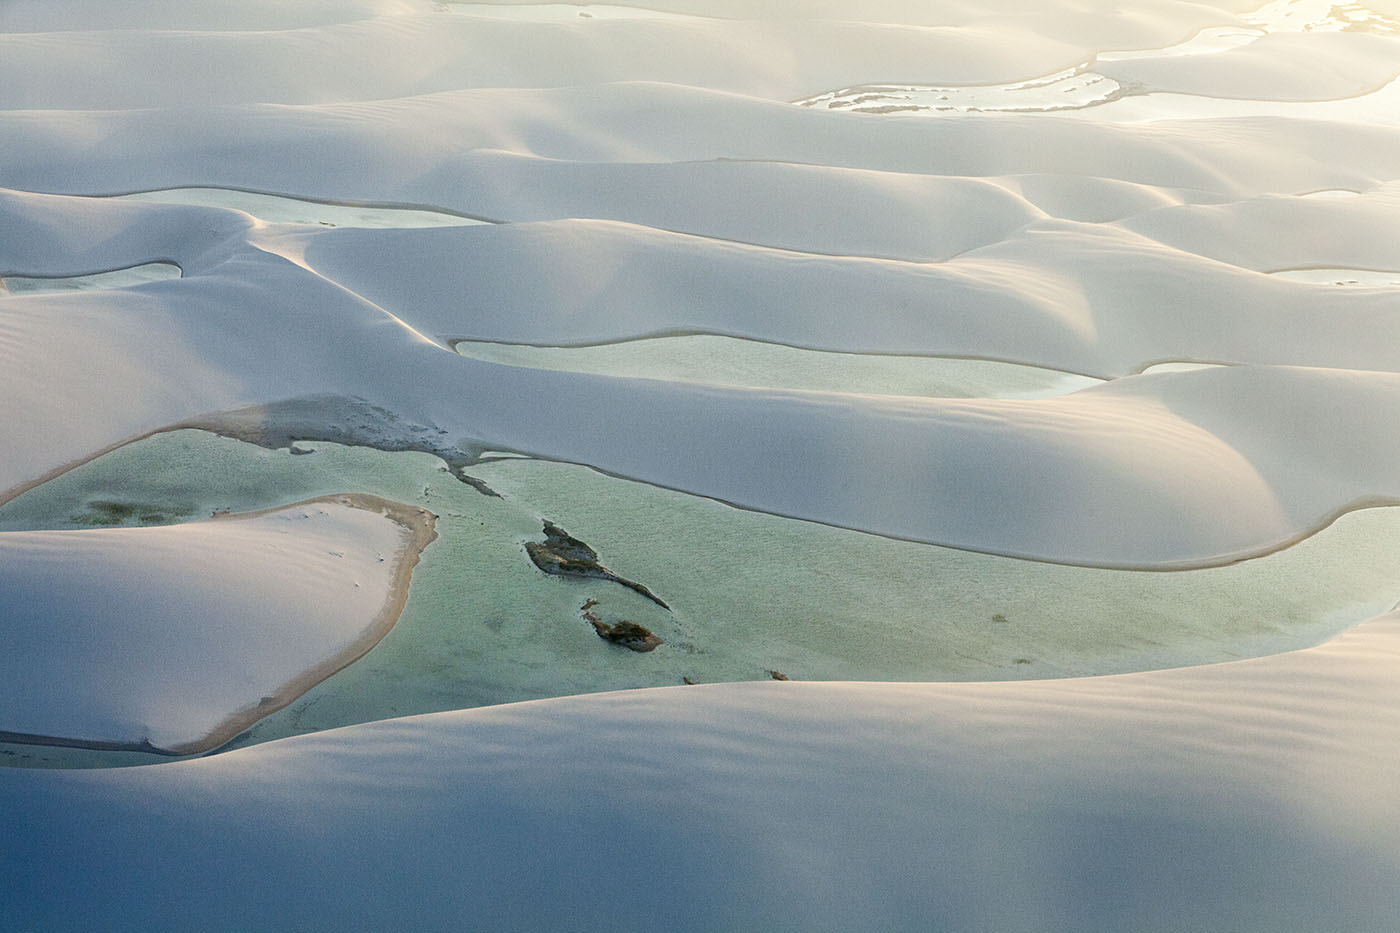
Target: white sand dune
[
  {"x": 1263, "y": 74},
  {"x": 414, "y": 54},
  {"x": 1279, "y": 58},
  {"x": 422, "y": 150},
  {"x": 1078, "y": 297},
  {"x": 1362, "y": 231},
  {"x": 176, "y": 638},
  {"x": 1255, "y": 795},
  {"x": 1284, "y": 67},
  {"x": 353, "y": 190},
  {"x": 1141, "y": 472},
  {"x": 35, "y": 16}
]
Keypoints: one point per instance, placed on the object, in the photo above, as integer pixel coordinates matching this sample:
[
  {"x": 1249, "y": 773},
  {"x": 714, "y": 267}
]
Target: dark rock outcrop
[
  {"x": 627, "y": 634},
  {"x": 566, "y": 556}
]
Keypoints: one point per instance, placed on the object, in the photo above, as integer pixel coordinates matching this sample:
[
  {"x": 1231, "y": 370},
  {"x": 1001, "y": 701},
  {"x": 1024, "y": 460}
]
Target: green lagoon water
[
  {"x": 750, "y": 592},
  {"x": 719, "y": 360}
]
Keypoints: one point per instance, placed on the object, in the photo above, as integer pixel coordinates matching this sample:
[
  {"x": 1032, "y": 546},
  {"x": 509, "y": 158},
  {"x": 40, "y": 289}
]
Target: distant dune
[{"x": 774, "y": 306}]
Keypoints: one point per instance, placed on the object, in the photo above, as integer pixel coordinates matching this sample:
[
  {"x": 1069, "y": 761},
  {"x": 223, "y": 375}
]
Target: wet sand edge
[{"x": 418, "y": 531}]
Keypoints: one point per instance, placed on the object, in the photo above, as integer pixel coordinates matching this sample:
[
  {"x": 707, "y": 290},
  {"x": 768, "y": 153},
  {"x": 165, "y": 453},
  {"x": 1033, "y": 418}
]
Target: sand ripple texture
[{"x": 1087, "y": 188}]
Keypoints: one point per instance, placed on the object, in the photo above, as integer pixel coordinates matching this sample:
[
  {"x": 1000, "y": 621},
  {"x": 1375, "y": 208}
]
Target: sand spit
[
  {"x": 257, "y": 580},
  {"x": 419, "y": 524}
]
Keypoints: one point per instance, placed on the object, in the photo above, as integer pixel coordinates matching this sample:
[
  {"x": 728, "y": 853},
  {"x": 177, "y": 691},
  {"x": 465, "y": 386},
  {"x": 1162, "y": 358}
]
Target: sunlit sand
[{"x": 699, "y": 464}]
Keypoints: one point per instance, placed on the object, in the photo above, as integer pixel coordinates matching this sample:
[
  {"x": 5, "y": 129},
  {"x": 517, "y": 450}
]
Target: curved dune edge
[
  {"x": 1208, "y": 562},
  {"x": 192, "y": 191},
  {"x": 20, "y": 276},
  {"x": 420, "y": 528},
  {"x": 227, "y": 424},
  {"x": 1253, "y": 793},
  {"x": 14, "y": 492}
]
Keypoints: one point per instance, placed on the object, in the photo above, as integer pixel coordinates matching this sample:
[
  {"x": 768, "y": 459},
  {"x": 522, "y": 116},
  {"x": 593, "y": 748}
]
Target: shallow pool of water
[
  {"x": 750, "y": 593},
  {"x": 119, "y": 278},
  {"x": 717, "y": 360},
  {"x": 1065, "y": 90}
]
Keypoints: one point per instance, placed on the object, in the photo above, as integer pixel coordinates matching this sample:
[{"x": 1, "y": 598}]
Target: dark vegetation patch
[
  {"x": 109, "y": 513},
  {"x": 563, "y": 555},
  {"x": 627, "y": 634}
]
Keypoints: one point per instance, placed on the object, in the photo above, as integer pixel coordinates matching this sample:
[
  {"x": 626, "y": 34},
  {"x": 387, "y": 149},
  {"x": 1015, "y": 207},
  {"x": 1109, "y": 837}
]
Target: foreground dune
[{"x": 1250, "y": 796}]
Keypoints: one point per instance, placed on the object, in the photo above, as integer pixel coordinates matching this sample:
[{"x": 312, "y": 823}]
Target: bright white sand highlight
[
  {"x": 175, "y": 639},
  {"x": 1262, "y": 66}
]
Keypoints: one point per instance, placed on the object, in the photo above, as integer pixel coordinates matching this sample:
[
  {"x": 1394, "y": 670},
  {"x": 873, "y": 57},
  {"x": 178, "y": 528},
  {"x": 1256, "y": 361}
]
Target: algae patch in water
[{"x": 107, "y": 513}]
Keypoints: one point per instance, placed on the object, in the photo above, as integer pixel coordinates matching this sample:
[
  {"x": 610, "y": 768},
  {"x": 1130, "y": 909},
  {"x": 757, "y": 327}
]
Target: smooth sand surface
[
  {"x": 1258, "y": 795},
  {"x": 650, "y": 178},
  {"x": 174, "y": 639}
]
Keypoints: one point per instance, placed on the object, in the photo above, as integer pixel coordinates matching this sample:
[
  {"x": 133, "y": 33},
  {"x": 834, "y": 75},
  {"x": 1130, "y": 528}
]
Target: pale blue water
[
  {"x": 732, "y": 361},
  {"x": 120, "y": 278}
]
